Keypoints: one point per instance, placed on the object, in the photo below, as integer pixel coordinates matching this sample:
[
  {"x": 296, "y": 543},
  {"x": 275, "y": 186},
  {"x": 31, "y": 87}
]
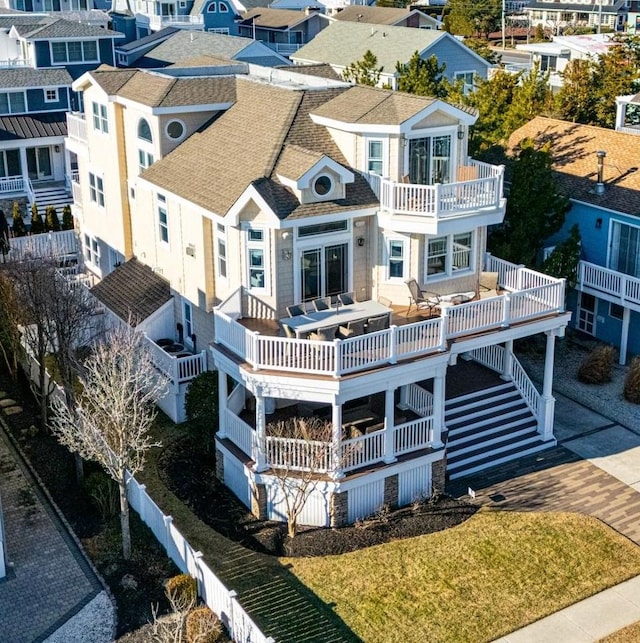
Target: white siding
[
  {"x": 364, "y": 500},
  {"x": 236, "y": 480},
  {"x": 414, "y": 483},
  {"x": 315, "y": 511}
]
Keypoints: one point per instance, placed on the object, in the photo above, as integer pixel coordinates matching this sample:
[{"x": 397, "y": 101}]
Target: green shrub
[
  {"x": 104, "y": 494},
  {"x": 203, "y": 626},
  {"x": 201, "y": 407},
  {"x": 632, "y": 382},
  {"x": 36, "y": 225},
  {"x": 18, "y": 226},
  {"x": 67, "y": 218},
  {"x": 53, "y": 223},
  {"x": 597, "y": 366},
  {"x": 182, "y": 592}
]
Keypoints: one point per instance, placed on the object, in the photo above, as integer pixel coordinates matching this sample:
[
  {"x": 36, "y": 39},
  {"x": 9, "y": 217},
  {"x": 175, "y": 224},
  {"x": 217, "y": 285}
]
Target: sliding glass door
[
  {"x": 430, "y": 160},
  {"x": 324, "y": 271}
]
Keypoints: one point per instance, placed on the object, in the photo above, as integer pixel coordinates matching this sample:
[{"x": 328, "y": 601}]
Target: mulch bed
[{"x": 190, "y": 474}]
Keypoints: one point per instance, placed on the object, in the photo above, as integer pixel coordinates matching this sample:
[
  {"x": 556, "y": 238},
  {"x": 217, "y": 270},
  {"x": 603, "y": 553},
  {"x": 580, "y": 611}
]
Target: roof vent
[{"x": 600, "y": 184}]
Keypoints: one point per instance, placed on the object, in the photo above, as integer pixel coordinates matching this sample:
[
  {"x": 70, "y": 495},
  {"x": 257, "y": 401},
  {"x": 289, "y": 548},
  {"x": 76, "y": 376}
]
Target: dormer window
[{"x": 322, "y": 185}]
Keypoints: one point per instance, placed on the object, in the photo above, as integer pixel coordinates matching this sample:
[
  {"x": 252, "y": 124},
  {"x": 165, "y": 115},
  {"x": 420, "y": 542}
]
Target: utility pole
[{"x": 504, "y": 7}]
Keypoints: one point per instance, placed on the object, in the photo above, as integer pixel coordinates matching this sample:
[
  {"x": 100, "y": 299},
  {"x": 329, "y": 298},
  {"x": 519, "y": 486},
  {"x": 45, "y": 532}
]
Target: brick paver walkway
[{"x": 557, "y": 480}]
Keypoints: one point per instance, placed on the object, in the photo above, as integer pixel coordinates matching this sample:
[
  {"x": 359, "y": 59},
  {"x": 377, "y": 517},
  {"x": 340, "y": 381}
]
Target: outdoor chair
[
  {"x": 321, "y": 304},
  {"x": 488, "y": 286},
  {"x": 420, "y": 298},
  {"x": 352, "y": 329},
  {"x": 326, "y": 334},
  {"x": 346, "y": 298},
  {"x": 374, "y": 324},
  {"x": 295, "y": 310},
  {"x": 288, "y": 331},
  {"x": 385, "y": 301}
]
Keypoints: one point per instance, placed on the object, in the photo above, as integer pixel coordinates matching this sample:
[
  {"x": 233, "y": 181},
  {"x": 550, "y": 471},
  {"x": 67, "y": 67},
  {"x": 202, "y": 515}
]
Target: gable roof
[
  {"x": 322, "y": 70},
  {"x": 373, "y": 14},
  {"x": 574, "y": 148},
  {"x": 28, "y": 77},
  {"x": 274, "y": 18},
  {"x": 52, "y": 28},
  {"x": 28, "y": 126},
  {"x": 133, "y": 290},
  {"x": 342, "y": 43},
  {"x": 199, "y": 170},
  {"x": 148, "y": 40}
]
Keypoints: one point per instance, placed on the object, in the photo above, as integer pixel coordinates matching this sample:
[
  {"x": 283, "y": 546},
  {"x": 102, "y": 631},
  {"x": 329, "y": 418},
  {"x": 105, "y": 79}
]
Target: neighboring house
[
  {"x": 340, "y": 190},
  {"x": 343, "y": 43},
  {"x": 633, "y": 17},
  {"x": 598, "y": 169},
  {"x": 189, "y": 44},
  {"x": 388, "y": 16},
  {"x": 553, "y": 57},
  {"x": 128, "y": 53},
  {"x": 48, "y": 6},
  {"x": 283, "y": 30},
  {"x": 559, "y": 15}
]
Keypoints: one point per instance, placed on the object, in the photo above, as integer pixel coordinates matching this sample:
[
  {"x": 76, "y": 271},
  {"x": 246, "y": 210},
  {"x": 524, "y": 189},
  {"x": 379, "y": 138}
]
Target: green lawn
[{"x": 476, "y": 582}]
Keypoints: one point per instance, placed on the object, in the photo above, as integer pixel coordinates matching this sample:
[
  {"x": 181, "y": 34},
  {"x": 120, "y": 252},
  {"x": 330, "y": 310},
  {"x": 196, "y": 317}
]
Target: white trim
[
  {"x": 449, "y": 272},
  {"x": 405, "y": 240},
  {"x": 176, "y": 139},
  {"x": 366, "y": 141},
  {"x": 55, "y": 91},
  {"x": 261, "y": 245}
]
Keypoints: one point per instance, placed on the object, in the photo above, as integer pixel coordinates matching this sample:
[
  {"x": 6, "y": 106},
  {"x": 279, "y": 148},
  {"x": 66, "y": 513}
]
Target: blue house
[{"x": 598, "y": 169}]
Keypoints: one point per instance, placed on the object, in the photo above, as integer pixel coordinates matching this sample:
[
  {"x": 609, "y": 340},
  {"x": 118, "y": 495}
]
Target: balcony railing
[
  {"x": 531, "y": 295},
  {"x": 160, "y": 22},
  {"x": 442, "y": 200},
  {"x": 12, "y": 184},
  {"x": 178, "y": 369},
  {"x": 622, "y": 287},
  {"x": 15, "y": 62},
  {"x": 56, "y": 245},
  {"x": 284, "y": 48},
  {"x": 77, "y": 126}
]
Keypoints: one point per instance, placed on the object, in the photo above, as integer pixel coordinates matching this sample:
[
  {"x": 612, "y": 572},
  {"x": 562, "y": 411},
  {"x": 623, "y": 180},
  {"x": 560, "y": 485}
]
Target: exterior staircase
[
  {"x": 489, "y": 427},
  {"x": 55, "y": 195}
]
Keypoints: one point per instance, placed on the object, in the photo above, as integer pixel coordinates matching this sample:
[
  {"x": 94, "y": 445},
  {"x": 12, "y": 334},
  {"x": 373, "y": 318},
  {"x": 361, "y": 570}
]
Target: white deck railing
[
  {"x": 12, "y": 184},
  {"x": 77, "y": 126},
  {"x": 362, "y": 451},
  {"x": 623, "y": 287},
  {"x": 56, "y": 245},
  {"x": 418, "y": 400},
  {"x": 178, "y": 369},
  {"x": 413, "y": 435},
  {"x": 160, "y": 22},
  {"x": 443, "y": 200},
  {"x": 239, "y": 432},
  {"x": 298, "y": 455}
]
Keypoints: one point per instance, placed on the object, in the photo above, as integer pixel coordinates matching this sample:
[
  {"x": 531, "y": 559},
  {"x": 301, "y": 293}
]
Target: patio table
[{"x": 340, "y": 315}]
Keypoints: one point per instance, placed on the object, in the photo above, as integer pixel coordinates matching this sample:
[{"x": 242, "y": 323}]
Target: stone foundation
[
  {"x": 219, "y": 465},
  {"x": 438, "y": 474},
  {"x": 259, "y": 501},
  {"x": 391, "y": 491},
  {"x": 339, "y": 508}
]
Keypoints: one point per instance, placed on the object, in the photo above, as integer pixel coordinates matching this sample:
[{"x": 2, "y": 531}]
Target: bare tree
[
  {"x": 115, "y": 412},
  {"x": 305, "y": 452},
  {"x": 10, "y": 315}
]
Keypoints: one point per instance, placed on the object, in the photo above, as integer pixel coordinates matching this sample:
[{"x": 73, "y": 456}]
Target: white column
[
  {"x": 624, "y": 336},
  {"x": 24, "y": 168},
  {"x": 404, "y": 390},
  {"x": 336, "y": 440},
  {"x": 222, "y": 404},
  {"x": 438, "y": 409},
  {"x": 259, "y": 437},
  {"x": 507, "y": 360},
  {"x": 389, "y": 423},
  {"x": 547, "y": 401}
]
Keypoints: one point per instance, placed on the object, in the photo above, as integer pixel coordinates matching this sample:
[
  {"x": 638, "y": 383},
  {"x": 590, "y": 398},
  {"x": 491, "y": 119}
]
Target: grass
[
  {"x": 625, "y": 635},
  {"x": 495, "y": 573}
]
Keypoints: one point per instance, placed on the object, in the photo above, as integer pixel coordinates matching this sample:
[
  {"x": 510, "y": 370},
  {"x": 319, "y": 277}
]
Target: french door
[
  {"x": 39, "y": 163},
  {"x": 324, "y": 271},
  {"x": 430, "y": 160},
  {"x": 586, "y": 321}
]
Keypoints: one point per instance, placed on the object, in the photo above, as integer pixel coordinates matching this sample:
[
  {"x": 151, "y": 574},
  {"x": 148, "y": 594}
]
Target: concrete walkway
[
  {"x": 594, "y": 470},
  {"x": 50, "y": 593}
]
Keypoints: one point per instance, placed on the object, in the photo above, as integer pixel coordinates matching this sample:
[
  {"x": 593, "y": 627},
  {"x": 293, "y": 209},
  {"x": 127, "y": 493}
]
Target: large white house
[{"x": 250, "y": 193}]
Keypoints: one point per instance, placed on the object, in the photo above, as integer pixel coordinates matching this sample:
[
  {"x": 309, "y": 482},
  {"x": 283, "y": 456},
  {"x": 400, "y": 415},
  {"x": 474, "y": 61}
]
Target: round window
[
  {"x": 322, "y": 185},
  {"x": 175, "y": 129}
]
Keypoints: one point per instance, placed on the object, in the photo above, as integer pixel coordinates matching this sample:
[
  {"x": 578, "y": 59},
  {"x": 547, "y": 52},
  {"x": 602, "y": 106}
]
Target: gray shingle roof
[
  {"x": 52, "y": 28},
  {"x": 273, "y": 18},
  {"x": 13, "y": 128},
  {"x": 156, "y": 36},
  {"x": 27, "y": 77},
  {"x": 372, "y": 15},
  {"x": 342, "y": 43},
  {"x": 580, "y": 7},
  {"x": 133, "y": 291}
]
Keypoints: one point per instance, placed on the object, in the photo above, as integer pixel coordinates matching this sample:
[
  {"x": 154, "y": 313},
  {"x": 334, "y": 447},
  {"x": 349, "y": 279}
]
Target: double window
[
  {"x": 256, "y": 259},
  {"x": 96, "y": 189},
  {"x": 625, "y": 249},
  {"x": 448, "y": 254},
  {"x": 74, "y": 51},
  {"x": 100, "y": 120},
  {"x": 12, "y": 103},
  {"x": 91, "y": 250},
  {"x": 145, "y": 159}
]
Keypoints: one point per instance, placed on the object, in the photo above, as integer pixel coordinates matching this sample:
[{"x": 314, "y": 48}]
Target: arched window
[{"x": 144, "y": 131}]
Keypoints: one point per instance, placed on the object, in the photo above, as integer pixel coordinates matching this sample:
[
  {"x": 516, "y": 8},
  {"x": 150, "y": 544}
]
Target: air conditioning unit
[{"x": 190, "y": 250}]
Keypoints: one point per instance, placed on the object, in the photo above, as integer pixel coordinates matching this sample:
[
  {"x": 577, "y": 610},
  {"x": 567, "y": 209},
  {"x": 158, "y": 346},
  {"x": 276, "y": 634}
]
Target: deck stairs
[
  {"x": 489, "y": 427},
  {"x": 55, "y": 195}
]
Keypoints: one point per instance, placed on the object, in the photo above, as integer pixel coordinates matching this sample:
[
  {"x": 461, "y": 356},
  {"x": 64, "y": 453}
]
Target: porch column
[
  {"x": 259, "y": 438},
  {"x": 24, "y": 168},
  {"x": 547, "y": 401},
  {"x": 389, "y": 423},
  {"x": 507, "y": 360},
  {"x": 624, "y": 336},
  {"x": 404, "y": 392},
  {"x": 222, "y": 404},
  {"x": 438, "y": 409},
  {"x": 336, "y": 440}
]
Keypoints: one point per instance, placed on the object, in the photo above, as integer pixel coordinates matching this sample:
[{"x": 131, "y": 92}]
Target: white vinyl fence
[{"x": 219, "y": 599}]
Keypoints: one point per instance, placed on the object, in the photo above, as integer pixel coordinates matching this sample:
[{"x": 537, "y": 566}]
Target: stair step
[
  {"x": 485, "y": 415},
  {"x": 476, "y": 434},
  {"x": 484, "y": 393},
  {"x": 499, "y": 441},
  {"x": 490, "y": 461}
]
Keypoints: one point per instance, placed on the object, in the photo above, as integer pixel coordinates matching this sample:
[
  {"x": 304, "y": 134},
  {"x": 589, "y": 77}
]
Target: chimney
[{"x": 600, "y": 184}]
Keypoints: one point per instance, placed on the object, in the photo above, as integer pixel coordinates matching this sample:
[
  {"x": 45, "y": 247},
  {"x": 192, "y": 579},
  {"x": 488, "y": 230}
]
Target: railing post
[
  {"x": 393, "y": 357},
  {"x": 167, "y": 531},
  {"x": 389, "y": 426},
  {"x": 438, "y": 409},
  {"x": 222, "y": 404},
  {"x": 336, "y": 440},
  {"x": 547, "y": 401},
  {"x": 506, "y": 311},
  {"x": 507, "y": 360},
  {"x": 254, "y": 357},
  {"x": 337, "y": 353},
  {"x": 258, "y": 444},
  {"x": 444, "y": 329},
  {"x": 436, "y": 189}
]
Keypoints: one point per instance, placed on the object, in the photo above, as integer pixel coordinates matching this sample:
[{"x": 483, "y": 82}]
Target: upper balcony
[
  {"x": 526, "y": 296},
  {"x": 430, "y": 209},
  {"x": 184, "y": 22},
  {"x": 76, "y": 128},
  {"x": 615, "y": 286}
]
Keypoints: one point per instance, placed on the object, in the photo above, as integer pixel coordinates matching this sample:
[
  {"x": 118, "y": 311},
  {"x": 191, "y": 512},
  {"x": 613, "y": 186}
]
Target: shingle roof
[
  {"x": 25, "y": 19},
  {"x": 52, "y": 28},
  {"x": 322, "y": 70},
  {"x": 199, "y": 169},
  {"x": 154, "y": 36},
  {"x": 155, "y": 90},
  {"x": 273, "y": 18},
  {"x": 372, "y": 15},
  {"x": 33, "y": 126},
  {"x": 579, "y": 7},
  {"x": 342, "y": 43},
  {"x": 574, "y": 148},
  {"x": 294, "y": 161},
  {"x": 133, "y": 291},
  {"x": 27, "y": 77}
]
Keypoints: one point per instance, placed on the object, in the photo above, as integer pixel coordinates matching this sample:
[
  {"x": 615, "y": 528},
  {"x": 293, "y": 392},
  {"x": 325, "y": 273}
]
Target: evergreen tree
[
  {"x": 53, "y": 223},
  {"x": 467, "y": 18},
  {"x": 67, "y": 218},
  {"x": 364, "y": 71},
  {"x": 423, "y": 77},
  {"x": 535, "y": 207},
  {"x": 531, "y": 97},
  {"x": 18, "y": 226},
  {"x": 37, "y": 224},
  {"x": 577, "y": 97},
  {"x": 563, "y": 261}
]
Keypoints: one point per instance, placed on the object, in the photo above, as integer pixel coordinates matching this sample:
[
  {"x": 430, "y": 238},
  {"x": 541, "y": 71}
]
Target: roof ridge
[{"x": 293, "y": 112}]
